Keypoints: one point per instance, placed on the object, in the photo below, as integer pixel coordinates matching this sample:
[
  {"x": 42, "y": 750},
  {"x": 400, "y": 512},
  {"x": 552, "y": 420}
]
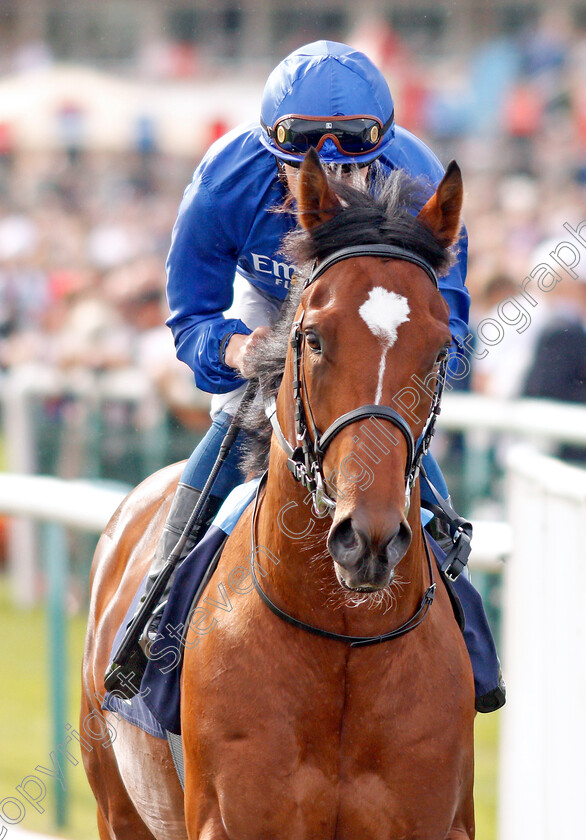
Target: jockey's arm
[
  {"x": 200, "y": 279},
  {"x": 239, "y": 347}
]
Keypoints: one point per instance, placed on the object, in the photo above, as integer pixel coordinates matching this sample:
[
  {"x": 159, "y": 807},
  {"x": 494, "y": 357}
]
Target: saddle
[{"x": 145, "y": 705}]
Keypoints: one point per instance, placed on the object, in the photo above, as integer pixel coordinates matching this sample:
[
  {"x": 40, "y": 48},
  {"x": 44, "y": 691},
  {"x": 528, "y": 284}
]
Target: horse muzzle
[{"x": 365, "y": 562}]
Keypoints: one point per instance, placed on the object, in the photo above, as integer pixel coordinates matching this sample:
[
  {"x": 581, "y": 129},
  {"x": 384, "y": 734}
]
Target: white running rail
[{"x": 543, "y": 736}]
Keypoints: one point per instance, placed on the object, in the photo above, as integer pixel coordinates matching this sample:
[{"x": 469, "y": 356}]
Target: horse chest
[{"x": 314, "y": 746}]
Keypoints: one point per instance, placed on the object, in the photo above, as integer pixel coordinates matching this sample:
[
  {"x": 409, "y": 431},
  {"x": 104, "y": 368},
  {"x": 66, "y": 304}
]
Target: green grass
[
  {"x": 25, "y": 727},
  {"x": 485, "y": 785},
  {"x": 25, "y": 718}
]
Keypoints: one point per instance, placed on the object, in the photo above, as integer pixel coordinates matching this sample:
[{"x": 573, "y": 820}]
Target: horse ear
[
  {"x": 442, "y": 212},
  {"x": 316, "y": 201}
]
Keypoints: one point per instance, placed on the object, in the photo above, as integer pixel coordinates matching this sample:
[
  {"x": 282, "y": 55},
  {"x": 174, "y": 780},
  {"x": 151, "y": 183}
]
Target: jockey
[{"x": 226, "y": 277}]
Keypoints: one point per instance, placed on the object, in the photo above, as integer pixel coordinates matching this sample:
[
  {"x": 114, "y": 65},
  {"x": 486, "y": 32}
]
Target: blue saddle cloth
[{"x": 157, "y": 707}]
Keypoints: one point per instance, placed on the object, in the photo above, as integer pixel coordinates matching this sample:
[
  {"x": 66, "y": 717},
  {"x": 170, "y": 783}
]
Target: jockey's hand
[{"x": 238, "y": 350}]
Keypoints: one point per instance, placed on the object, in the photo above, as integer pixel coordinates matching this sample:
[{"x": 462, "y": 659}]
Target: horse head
[
  {"x": 364, "y": 358},
  {"x": 373, "y": 331}
]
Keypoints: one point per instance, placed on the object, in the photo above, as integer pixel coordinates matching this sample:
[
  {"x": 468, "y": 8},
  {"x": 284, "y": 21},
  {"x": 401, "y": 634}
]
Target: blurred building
[{"x": 125, "y": 33}]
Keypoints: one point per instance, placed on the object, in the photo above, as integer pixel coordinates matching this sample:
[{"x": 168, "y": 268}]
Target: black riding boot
[
  {"x": 182, "y": 506},
  {"x": 125, "y": 673}
]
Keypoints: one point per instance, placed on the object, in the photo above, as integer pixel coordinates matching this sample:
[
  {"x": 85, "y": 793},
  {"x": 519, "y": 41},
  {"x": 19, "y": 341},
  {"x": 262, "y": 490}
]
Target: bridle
[{"x": 305, "y": 459}]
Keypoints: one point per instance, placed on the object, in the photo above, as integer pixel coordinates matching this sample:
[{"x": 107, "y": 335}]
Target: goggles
[{"x": 354, "y": 135}]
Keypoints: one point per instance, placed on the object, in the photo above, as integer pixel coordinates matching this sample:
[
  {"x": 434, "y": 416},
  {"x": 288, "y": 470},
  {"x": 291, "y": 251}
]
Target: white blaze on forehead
[{"x": 383, "y": 313}]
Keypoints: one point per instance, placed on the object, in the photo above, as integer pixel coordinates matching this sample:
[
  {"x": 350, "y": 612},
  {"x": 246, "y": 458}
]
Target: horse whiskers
[
  {"x": 339, "y": 598},
  {"x": 311, "y": 543},
  {"x": 370, "y": 600},
  {"x": 387, "y": 597},
  {"x": 316, "y": 545},
  {"x": 319, "y": 556},
  {"x": 397, "y": 585}
]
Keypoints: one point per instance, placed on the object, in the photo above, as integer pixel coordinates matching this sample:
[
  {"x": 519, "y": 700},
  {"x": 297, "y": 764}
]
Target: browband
[{"x": 391, "y": 251}]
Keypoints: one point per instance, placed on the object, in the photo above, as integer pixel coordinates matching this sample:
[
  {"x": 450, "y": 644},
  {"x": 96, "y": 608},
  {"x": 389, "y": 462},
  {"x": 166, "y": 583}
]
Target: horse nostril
[
  {"x": 350, "y": 546},
  {"x": 346, "y": 535},
  {"x": 398, "y": 544},
  {"x": 345, "y": 543}
]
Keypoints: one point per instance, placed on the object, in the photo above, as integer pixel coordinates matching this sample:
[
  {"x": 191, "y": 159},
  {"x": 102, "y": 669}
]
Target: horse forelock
[{"x": 382, "y": 214}]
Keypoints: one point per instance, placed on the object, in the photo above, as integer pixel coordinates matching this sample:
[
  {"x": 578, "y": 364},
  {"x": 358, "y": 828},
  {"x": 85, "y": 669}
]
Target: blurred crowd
[
  {"x": 84, "y": 236},
  {"x": 82, "y": 265}
]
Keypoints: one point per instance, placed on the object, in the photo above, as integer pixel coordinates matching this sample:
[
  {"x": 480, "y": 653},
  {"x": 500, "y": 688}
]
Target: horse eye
[
  {"x": 313, "y": 341},
  {"x": 442, "y": 355}
]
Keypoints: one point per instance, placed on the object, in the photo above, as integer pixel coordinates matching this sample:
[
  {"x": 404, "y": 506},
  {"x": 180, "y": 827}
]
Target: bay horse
[{"x": 328, "y": 693}]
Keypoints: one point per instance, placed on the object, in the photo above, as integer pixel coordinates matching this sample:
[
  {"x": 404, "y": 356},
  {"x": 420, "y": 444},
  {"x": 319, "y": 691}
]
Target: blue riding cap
[{"x": 327, "y": 79}]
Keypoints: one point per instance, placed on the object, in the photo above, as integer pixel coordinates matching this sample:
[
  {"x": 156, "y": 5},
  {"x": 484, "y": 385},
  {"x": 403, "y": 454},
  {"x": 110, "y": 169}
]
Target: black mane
[{"x": 384, "y": 215}]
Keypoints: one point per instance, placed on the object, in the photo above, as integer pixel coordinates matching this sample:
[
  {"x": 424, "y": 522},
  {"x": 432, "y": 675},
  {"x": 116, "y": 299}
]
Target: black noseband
[{"x": 365, "y": 412}]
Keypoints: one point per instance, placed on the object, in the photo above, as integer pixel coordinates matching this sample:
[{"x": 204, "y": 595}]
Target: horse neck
[{"x": 301, "y": 576}]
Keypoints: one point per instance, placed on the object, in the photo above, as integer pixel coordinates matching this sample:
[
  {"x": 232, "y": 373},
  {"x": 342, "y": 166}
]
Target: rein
[
  {"x": 352, "y": 641},
  {"x": 305, "y": 460}
]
